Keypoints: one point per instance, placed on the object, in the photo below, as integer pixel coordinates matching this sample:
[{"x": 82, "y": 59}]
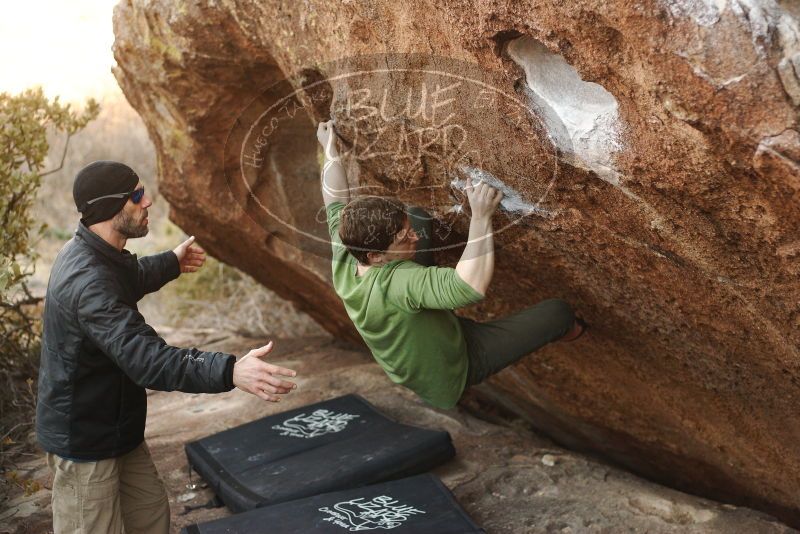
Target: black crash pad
[
  {"x": 418, "y": 505},
  {"x": 333, "y": 445}
]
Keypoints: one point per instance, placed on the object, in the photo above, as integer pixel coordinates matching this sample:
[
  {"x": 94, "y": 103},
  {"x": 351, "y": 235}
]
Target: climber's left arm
[{"x": 334, "y": 179}]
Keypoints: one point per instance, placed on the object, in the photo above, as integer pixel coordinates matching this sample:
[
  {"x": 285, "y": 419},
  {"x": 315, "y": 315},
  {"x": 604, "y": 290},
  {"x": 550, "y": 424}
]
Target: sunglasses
[{"x": 136, "y": 196}]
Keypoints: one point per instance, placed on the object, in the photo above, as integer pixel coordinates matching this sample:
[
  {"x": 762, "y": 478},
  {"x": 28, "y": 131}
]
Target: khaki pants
[{"x": 115, "y": 496}]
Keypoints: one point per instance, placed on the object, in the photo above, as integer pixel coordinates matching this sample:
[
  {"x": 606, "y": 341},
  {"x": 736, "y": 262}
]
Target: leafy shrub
[{"x": 26, "y": 120}]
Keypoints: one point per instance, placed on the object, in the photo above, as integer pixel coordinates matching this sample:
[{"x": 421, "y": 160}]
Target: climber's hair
[{"x": 370, "y": 224}]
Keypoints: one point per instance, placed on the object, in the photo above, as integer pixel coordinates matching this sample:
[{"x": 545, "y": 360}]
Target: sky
[{"x": 63, "y": 46}]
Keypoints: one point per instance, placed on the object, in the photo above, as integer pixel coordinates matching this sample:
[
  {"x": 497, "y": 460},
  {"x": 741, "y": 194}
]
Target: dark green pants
[{"x": 494, "y": 345}]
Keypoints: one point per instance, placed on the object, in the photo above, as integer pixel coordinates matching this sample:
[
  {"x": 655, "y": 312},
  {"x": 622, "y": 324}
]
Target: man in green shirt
[{"x": 402, "y": 308}]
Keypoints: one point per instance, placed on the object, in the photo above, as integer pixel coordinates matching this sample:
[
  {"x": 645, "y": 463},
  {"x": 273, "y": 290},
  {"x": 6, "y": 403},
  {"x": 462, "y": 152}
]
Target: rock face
[{"x": 650, "y": 157}]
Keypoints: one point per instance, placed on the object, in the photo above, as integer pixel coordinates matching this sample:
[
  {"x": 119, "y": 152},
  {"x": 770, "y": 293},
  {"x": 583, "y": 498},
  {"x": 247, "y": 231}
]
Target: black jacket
[{"x": 99, "y": 355}]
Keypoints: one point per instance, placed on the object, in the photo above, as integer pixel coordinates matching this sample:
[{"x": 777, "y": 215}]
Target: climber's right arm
[
  {"x": 334, "y": 179},
  {"x": 476, "y": 266}
]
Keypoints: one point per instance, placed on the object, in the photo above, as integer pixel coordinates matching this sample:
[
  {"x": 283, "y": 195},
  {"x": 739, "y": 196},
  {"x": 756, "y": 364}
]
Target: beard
[{"x": 125, "y": 224}]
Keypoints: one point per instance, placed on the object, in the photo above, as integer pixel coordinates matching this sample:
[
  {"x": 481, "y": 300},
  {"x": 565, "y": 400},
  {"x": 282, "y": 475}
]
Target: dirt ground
[{"x": 507, "y": 478}]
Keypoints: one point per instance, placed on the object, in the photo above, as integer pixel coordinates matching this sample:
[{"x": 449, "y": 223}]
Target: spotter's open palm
[{"x": 190, "y": 257}]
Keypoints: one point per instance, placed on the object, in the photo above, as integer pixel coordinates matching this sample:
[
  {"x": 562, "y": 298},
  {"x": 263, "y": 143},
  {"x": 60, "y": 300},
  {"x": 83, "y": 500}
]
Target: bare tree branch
[{"x": 63, "y": 157}]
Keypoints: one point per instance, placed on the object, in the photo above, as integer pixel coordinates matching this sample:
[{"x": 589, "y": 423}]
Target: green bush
[{"x": 25, "y": 121}]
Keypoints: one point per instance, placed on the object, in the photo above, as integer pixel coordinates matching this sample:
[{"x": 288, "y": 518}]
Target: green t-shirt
[{"x": 402, "y": 311}]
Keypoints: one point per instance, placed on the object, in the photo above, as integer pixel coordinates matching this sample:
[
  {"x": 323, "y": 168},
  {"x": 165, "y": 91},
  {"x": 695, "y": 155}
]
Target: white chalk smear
[
  {"x": 512, "y": 199},
  {"x": 761, "y": 18},
  {"x": 582, "y": 118},
  {"x": 702, "y": 12}
]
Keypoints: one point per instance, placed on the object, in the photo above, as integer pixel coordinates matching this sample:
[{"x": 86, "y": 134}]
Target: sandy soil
[{"x": 506, "y": 477}]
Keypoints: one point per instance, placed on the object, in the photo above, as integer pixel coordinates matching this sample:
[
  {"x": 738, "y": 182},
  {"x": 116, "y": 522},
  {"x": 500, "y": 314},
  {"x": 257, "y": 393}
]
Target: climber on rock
[{"x": 401, "y": 304}]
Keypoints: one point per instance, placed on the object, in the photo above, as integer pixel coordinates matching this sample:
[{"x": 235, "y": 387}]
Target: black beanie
[{"x": 98, "y": 179}]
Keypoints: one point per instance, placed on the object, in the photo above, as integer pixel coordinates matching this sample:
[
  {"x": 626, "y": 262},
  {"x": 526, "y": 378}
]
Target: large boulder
[{"x": 650, "y": 157}]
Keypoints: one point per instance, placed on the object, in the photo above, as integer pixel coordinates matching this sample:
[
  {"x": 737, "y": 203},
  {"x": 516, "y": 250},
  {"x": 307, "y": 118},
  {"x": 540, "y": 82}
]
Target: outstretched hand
[
  {"x": 253, "y": 375},
  {"x": 190, "y": 257}
]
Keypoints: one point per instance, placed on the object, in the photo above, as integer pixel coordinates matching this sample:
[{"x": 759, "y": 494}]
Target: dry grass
[{"x": 219, "y": 297}]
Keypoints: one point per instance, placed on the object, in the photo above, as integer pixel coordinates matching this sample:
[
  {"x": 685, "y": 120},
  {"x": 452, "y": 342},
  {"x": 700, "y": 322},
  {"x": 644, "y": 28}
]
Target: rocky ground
[{"x": 509, "y": 479}]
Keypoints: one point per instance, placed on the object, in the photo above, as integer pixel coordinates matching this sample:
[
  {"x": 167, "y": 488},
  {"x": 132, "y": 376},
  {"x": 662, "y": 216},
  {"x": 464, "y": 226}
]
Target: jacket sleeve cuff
[
  {"x": 172, "y": 265},
  {"x": 229, "y": 372}
]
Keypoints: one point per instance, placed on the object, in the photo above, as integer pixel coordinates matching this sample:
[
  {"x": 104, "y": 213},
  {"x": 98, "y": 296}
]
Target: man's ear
[{"x": 374, "y": 257}]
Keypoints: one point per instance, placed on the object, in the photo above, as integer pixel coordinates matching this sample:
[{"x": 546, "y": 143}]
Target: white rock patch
[
  {"x": 581, "y": 117},
  {"x": 761, "y": 18},
  {"x": 702, "y": 12}
]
